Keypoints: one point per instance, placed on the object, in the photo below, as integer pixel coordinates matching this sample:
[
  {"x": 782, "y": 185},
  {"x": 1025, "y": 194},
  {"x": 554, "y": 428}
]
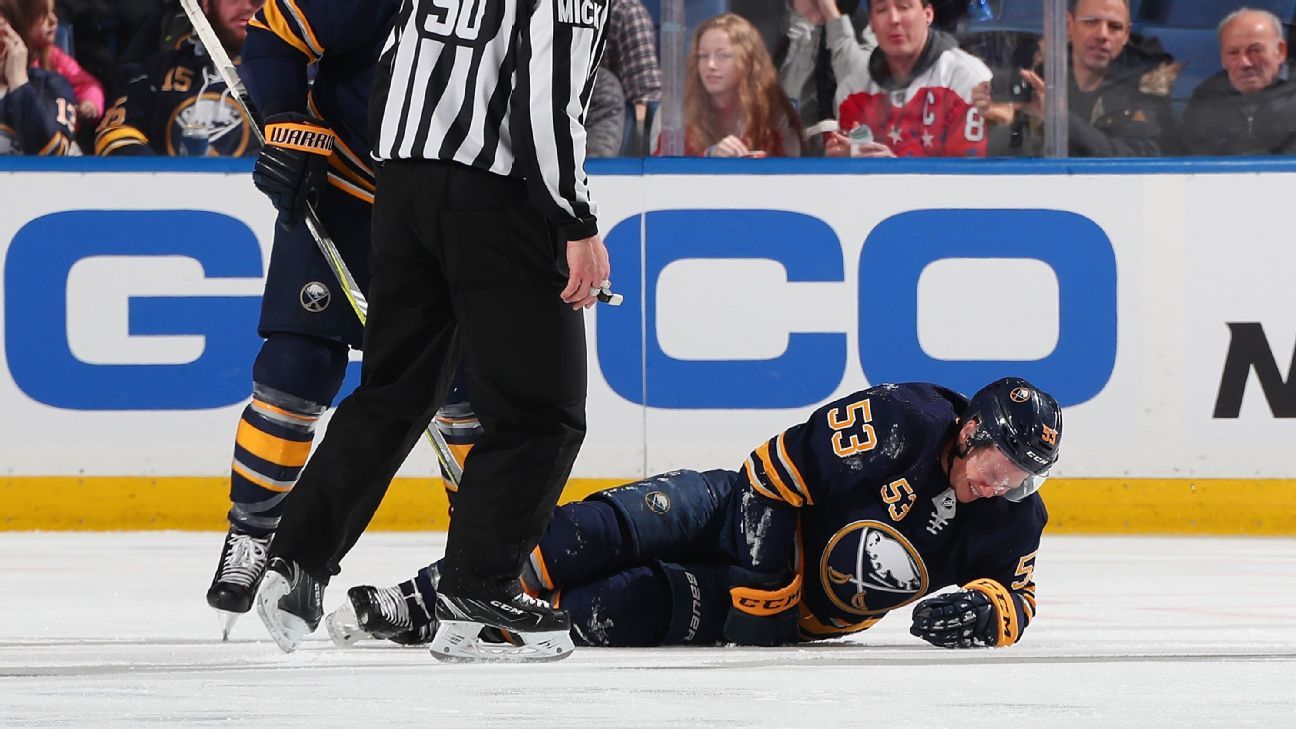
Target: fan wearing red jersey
[{"x": 915, "y": 96}]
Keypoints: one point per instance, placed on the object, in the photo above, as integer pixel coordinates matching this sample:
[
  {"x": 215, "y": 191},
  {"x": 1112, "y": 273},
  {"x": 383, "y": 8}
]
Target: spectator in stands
[
  {"x": 733, "y": 105},
  {"x": 1118, "y": 99},
  {"x": 176, "y": 102},
  {"x": 37, "y": 107},
  {"x": 605, "y": 120},
  {"x": 821, "y": 47},
  {"x": 1246, "y": 108},
  {"x": 914, "y": 99},
  {"x": 631, "y": 52},
  {"x": 631, "y": 56},
  {"x": 36, "y": 21}
]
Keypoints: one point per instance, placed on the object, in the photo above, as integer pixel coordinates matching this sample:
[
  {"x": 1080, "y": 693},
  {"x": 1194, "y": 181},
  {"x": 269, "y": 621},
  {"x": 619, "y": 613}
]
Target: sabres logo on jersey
[
  {"x": 214, "y": 115},
  {"x": 869, "y": 568}
]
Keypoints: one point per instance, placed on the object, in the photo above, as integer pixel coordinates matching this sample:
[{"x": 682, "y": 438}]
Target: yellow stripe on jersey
[
  {"x": 279, "y": 451},
  {"x": 349, "y": 187},
  {"x": 52, "y": 146},
  {"x": 305, "y": 25},
  {"x": 1006, "y": 608},
  {"x": 340, "y": 166},
  {"x": 755, "y": 482},
  {"x": 814, "y": 629},
  {"x": 1028, "y": 602},
  {"x": 798, "y": 482},
  {"x": 790, "y": 496},
  {"x": 275, "y": 22},
  {"x": 112, "y": 139},
  {"x": 362, "y": 172}
]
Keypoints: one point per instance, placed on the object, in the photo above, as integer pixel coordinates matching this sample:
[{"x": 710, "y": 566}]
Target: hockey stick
[{"x": 229, "y": 74}]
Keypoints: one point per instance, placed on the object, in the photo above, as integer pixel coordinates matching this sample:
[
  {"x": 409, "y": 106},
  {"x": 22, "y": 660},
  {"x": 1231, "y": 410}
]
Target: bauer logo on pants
[{"x": 315, "y": 297}]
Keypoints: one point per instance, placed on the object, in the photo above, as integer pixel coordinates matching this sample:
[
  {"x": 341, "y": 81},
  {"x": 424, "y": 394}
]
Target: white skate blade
[
  {"x": 286, "y": 629},
  {"x": 344, "y": 627},
  {"x": 226, "y": 620},
  {"x": 459, "y": 641}
]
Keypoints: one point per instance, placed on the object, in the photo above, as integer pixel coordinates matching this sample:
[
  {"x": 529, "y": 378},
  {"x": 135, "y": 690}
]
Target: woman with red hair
[{"x": 733, "y": 103}]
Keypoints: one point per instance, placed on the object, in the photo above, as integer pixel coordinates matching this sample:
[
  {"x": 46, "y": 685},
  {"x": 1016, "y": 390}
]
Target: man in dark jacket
[
  {"x": 1246, "y": 108},
  {"x": 1118, "y": 94}
]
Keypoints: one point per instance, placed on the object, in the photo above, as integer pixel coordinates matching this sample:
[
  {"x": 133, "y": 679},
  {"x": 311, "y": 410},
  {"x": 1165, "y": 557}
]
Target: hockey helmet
[{"x": 1024, "y": 422}]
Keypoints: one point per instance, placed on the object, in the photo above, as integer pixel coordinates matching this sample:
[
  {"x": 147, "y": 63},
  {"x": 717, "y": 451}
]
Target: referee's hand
[{"x": 587, "y": 259}]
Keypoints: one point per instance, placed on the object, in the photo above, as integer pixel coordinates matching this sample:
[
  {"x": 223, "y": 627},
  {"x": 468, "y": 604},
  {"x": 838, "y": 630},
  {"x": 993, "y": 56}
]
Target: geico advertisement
[{"x": 1156, "y": 308}]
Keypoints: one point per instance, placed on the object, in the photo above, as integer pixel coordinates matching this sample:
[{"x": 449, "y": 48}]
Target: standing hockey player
[
  {"x": 485, "y": 237},
  {"x": 875, "y": 501},
  {"x": 318, "y": 150}
]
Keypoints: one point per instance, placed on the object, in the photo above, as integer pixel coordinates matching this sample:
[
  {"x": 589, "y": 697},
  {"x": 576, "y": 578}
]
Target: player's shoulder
[
  {"x": 904, "y": 417},
  {"x": 902, "y": 401}
]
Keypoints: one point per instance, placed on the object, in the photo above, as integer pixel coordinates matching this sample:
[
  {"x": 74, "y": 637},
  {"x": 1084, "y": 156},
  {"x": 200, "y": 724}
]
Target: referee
[{"x": 485, "y": 247}]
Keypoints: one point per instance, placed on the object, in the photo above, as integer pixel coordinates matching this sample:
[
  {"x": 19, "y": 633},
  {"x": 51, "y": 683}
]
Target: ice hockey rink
[{"x": 111, "y": 630}]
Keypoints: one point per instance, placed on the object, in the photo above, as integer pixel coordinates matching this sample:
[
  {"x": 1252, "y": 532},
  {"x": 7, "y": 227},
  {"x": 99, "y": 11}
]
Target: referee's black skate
[
  {"x": 242, "y": 564},
  {"x": 470, "y": 629},
  {"x": 380, "y": 613},
  {"x": 290, "y": 603}
]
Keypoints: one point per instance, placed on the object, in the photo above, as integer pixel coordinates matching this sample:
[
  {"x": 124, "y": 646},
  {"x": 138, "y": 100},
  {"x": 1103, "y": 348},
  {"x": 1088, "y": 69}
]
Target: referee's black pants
[{"x": 463, "y": 264}]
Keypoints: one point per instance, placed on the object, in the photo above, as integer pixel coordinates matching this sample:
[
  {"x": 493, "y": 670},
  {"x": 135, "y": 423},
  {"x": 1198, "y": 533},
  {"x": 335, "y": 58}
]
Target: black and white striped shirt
[{"x": 502, "y": 85}]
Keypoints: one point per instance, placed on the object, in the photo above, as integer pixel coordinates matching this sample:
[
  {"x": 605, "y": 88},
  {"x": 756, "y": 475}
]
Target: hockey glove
[
  {"x": 293, "y": 164},
  {"x": 765, "y": 614},
  {"x": 981, "y": 615}
]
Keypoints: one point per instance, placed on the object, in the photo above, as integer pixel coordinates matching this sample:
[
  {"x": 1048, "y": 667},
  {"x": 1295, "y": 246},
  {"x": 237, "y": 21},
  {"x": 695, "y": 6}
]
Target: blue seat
[
  {"x": 63, "y": 39},
  {"x": 1024, "y": 16},
  {"x": 1196, "y": 48},
  {"x": 695, "y": 11},
  {"x": 1205, "y": 13}
]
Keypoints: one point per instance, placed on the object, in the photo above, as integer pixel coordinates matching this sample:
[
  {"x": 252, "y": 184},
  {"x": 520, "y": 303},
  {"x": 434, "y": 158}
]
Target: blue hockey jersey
[
  {"x": 175, "y": 103},
  {"x": 342, "y": 40},
  {"x": 856, "y": 503},
  {"x": 39, "y": 117}
]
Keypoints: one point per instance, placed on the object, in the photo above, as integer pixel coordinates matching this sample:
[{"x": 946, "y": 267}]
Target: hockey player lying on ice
[{"x": 876, "y": 500}]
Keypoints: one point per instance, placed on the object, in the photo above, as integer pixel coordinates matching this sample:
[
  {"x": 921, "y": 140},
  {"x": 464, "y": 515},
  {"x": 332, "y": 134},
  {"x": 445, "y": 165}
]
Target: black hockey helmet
[{"x": 1025, "y": 422}]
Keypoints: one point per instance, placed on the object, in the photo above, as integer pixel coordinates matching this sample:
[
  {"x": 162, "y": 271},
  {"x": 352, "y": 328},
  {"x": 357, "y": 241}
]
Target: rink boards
[{"x": 1155, "y": 300}]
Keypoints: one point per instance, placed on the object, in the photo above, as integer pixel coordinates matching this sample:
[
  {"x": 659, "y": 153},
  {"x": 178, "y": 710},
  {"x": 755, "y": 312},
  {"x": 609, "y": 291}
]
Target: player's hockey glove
[
  {"x": 764, "y": 609},
  {"x": 981, "y": 615},
  {"x": 293, "y": 164}
]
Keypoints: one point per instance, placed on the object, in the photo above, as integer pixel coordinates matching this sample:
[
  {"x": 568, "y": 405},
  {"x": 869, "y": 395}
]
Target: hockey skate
[
  {"x": 471, "y": 630},
  {"x": 242, "y": 564},
  {"x": 290, "y": 603},
  {"x": 377, "y": 613}
]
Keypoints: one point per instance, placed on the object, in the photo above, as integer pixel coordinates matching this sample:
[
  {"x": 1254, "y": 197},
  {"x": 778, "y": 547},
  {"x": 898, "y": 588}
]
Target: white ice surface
[{"x": 111, "y": 630}]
